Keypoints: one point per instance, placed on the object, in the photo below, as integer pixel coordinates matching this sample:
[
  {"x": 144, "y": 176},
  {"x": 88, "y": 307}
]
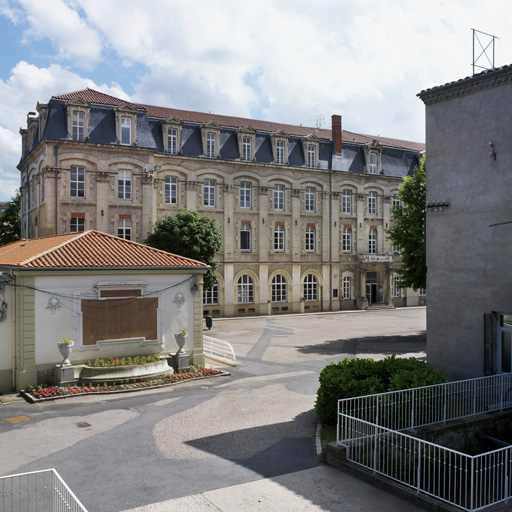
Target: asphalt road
[{"x": 118, "y": 452}]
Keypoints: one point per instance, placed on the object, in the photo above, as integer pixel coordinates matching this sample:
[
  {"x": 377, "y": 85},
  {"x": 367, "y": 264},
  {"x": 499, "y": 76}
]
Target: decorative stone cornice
[{"x": 485, "y": 80}]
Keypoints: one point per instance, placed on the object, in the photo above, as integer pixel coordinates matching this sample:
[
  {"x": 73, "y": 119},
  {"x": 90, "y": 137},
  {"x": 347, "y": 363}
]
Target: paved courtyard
[{"x": 242, "y": 442}]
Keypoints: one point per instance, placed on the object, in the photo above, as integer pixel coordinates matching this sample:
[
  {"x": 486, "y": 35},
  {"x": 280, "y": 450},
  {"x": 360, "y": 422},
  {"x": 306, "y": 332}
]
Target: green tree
[
  {"x": 408, "y": 227},
  {"x": 191, "y": 235},
  {"x": 10, "y": 221}
]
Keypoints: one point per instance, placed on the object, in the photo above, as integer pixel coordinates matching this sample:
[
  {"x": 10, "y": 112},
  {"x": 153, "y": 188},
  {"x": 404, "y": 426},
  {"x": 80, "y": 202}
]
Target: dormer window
[
  {"x": 280, "y": 147},
  {"x": 171, "y": 134},
  {"x": 210, "y": 134},
  {"x": 78, "y": 125},
  {"x": 311, "y": 155},
  {"x": 126, "y": 131},
  {"x": 373, "y": 163},
  {"x": 126, "y": 124},
  {"x": 311, "y": 145},
  {"x": 373, "y": 154},
  {"x": 246, "y": 149},
  {"x": 247, "y": 143}
]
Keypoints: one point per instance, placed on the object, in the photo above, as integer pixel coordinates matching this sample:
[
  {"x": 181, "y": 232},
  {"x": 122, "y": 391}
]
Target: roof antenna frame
[{"x": 483, "y": 53}]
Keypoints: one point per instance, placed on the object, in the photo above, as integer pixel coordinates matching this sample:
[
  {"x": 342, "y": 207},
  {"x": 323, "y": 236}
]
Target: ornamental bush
[{"x": 358, "y": 377}]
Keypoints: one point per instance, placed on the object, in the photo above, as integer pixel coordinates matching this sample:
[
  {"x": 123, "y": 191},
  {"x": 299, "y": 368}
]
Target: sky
[{"x": 289, "y": 61}]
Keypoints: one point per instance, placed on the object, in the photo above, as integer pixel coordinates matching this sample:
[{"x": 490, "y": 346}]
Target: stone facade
[{"x": 304, "y": 211}]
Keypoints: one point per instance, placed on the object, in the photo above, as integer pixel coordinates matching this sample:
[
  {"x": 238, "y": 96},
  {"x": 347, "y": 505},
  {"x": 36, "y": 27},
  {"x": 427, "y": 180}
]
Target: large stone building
[
  {"x": 304, "y": 211},
  {"x": 469, "y": 223}
]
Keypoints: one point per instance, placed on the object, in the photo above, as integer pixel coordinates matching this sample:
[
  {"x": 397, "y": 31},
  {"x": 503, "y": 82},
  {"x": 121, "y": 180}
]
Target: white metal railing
[
  {"x": 369, "y": 428},
  {"x": 41, "y": 491},
  {"x": 219, "y": 350}
]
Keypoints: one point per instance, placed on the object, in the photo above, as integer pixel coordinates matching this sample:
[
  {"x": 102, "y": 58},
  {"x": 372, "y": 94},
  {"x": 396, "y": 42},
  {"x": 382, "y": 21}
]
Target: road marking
[{"x": 18, "y": 419}]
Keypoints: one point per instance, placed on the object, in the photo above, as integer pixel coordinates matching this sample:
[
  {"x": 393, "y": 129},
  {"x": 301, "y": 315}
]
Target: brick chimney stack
[{"x": 336, "y": 133}]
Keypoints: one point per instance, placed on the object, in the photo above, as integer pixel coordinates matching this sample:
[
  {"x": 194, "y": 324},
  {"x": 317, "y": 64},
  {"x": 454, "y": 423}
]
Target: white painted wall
[{"x": 6, "y": 333}]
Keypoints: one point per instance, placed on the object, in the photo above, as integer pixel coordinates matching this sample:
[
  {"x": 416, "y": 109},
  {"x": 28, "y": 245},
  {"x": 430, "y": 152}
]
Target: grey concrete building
[
  {"x": 303, "y": 210},
  {"x": 469, "y": 224}
]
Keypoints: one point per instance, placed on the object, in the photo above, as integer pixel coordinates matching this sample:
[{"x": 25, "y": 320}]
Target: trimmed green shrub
[{"x": 358, "y": 377}]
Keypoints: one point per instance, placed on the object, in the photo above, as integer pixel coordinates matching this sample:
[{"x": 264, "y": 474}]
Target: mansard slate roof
[
  {"x": 399, "y": 157},
  {"x": 89, "y": 250}
]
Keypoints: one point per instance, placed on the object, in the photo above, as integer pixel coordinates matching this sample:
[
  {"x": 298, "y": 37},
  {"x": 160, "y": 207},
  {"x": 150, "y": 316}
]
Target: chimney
[{"x": 336, "y": 133}]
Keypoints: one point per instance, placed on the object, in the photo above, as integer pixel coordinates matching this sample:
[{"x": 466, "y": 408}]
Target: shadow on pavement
[{"x": 385, "y": 345}]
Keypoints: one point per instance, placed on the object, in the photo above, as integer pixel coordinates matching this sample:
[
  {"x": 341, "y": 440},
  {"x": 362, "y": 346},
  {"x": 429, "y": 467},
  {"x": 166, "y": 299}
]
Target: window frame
[
  {"x": 245, "y": 238},
  {"x": 279, "y": 197},
  {"x": 280, "y": 147},
  {"x": 372, "y": 164},
  {"x": 74, "y": 184},
  {"x": 346, "y": 206},
  {"x": 347, "y": 287},
  {"x": 347, "y": 239},
  {"x": 211, "y": 296},
  {"x": 372, "y": 241},
  {"x": 124, "y": 185},
  {"x": 279, "y": 288},
  {"x": 211, "y": 150},
  {"x": 310, "y": 199},
  {"x": 245, "y": 194},
  {"x": 245, "y": 289},
  {"x": 76, "y": 224},
  {"x": 311, "y": 148},
  {"x": 172, "y": 141},
  {"x": 310, "y": 239},
  {"x": 78, "y": 125},
  {"x": 246, "y": 148},
  {"x": 126, "y": 129},
  {"x": 397, "y": 291},
  {"x": 209, "y": 193},
  {"x": 124, "y": 229},
  {"x": 171, "y": 190},
  {"x": 372, "y": 203},
  {"x": 310, "y": 288},
  {"x": 279, "y": 237}
]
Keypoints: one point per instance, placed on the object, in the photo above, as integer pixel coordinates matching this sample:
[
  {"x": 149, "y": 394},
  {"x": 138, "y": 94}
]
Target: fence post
[
  {"x": 445, "y": 403},
  {"x": 474, "y": 397},
  {"x": 507, "y": 458},
  {"x": 501, "y": 391},
  {"x": 418, "y": 470},
  {"x": 375, "y": 449},
  {"x": 413, "y": 405},
  {"x": 472, "y": 483}
]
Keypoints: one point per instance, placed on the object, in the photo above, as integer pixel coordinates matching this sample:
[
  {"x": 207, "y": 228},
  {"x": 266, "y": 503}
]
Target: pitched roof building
[{"x": 304, "y": 211}]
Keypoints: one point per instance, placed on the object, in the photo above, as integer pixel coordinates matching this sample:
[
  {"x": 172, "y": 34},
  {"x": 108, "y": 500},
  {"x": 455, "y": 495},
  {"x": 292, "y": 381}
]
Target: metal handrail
[{"x": 219, "y": 350}]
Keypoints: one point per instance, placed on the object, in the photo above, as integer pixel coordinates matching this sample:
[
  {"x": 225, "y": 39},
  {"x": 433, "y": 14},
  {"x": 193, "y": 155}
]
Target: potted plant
[
  {"x": 65, "y": 347},
  {"x": 180, "y": 340}
]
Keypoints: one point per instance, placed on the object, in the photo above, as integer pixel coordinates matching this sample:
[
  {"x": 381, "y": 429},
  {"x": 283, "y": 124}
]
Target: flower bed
[
  {"x": 40, "y": 393},
  {"x": 124, "y": 361}
]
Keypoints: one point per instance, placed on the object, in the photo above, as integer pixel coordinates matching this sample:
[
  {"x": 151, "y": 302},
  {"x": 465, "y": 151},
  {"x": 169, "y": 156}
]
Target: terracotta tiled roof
[
  {"x": 89, "y": 249},
  {"x": 100, "y": 98}
]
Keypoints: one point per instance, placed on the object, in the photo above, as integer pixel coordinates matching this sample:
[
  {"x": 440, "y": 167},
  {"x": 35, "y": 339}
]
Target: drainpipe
[
  {"x": 330, "y": 236},
  {"x": 13, "y": 334},
  {"x": 56, "y": 153}
]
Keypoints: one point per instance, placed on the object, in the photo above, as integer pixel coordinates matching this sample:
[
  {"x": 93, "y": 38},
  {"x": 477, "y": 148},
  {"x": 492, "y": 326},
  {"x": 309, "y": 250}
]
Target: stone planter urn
[
  {"x": 65, "y": 351},
  {"x": 180, "y": 340}
]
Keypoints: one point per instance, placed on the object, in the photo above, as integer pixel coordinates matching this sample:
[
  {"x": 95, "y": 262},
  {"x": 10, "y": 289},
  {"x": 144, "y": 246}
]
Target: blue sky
[{"x": 285, "y": 61}]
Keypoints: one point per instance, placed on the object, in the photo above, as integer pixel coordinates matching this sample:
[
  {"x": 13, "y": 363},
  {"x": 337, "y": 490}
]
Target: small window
[
  {"x": 279, "y": 238},
  {"x": 347, "y": 201},
  {"x": 78, "y": 125},
  {"x": 372, "y": 245},
  {"x": 423, "y": 292},
  {"x": 310, "y": 288},
  {"x": 172, "y": 141},
  {"x": 372, "y": 203},
  {"x": 210, "y": 145},
  {"x": 278, "y": 197},
  {"x": 397, "y": 289},
  {"x": 77, "y": 181},
  {"x": 245, "y": 194},
  {"x": 396, "y": 249},
  {"x": 310, "y": 239},
  {"x": 124, "y": 185},
  {"x": 247, "y": 149},
  {"x": 245, "y": 290},
  {"x": 77, "y": 224},
  {"x": 311, "y": 155},
  {"x": 211, "y": 296},
  {"x": 126, "y": 131},
  {"x": 346, "y": 287},
  {"x": 396, "y": 202},
  {"x": 280, "y": 152},
  {"x": 373, "y": 163},
  {"x": 124, "y": 229},
  {"x": 171, "y": 190},
  {"x": 279, "y": 288},
  {"x": 310, "y": 199},
  {"x": 347, "y": 239},
  {"x": 245, "y": 237},
  {"x": 209, "y": 192}
]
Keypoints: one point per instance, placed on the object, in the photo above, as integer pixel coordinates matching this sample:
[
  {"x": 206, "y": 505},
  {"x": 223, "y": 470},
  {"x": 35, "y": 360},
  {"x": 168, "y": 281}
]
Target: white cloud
[{"x": 10, "y": 149}]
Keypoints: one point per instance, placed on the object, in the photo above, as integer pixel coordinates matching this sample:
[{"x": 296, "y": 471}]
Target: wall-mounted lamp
[{"x": 492, "y": 153}]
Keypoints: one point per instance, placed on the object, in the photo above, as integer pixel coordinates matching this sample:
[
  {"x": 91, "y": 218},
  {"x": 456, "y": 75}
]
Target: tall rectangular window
[
  {"x": 245, "y": 194},
  {"x": 124, "y": 185},
  {"x": 396, "y": 201},
  {"x": 372, "y": 203},
  {"x": 126, "y": 131},
  {"x": 347, "y": 201},
  {"x": 77, "y": 224},
  {"x": 396, "y": 282},
  {"x": 209, "y": 192},
  {"x": 247, "y": 149},
  {"x": 311, "y": 155},
  {"x": 310, "y": 199},
  {"x": 280, "y": 152},
  {"x": 347, "y": 239},
  {"x": 372, "y": 241},
  {"x": 124, "y": 229},
  {"x": 279, "y": 238},
  {"x": 172, "y": 141},
  {"x": 171, "y": 190},
  {"x": 279, "y": 288},
  {"x": 373, "y": 163},
  {"x": 310, "y": 239},
  {"x": 77, "y": 181},
  {"x": 245, "y": 290},
  {"x": 245, "y": 237},
  {"x": 210, "y": 145},
  {"x": 78, "y": 125},
  {"x": 346, "y": 287},
  {"x": 278, "y": 197}
]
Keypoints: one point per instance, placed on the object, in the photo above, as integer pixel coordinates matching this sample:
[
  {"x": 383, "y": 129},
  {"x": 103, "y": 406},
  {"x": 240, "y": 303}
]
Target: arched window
[
  {"x": 279, "y": 288},
  {"x": 310, "y": 288},
  {"x": 245, "y": 290}
]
